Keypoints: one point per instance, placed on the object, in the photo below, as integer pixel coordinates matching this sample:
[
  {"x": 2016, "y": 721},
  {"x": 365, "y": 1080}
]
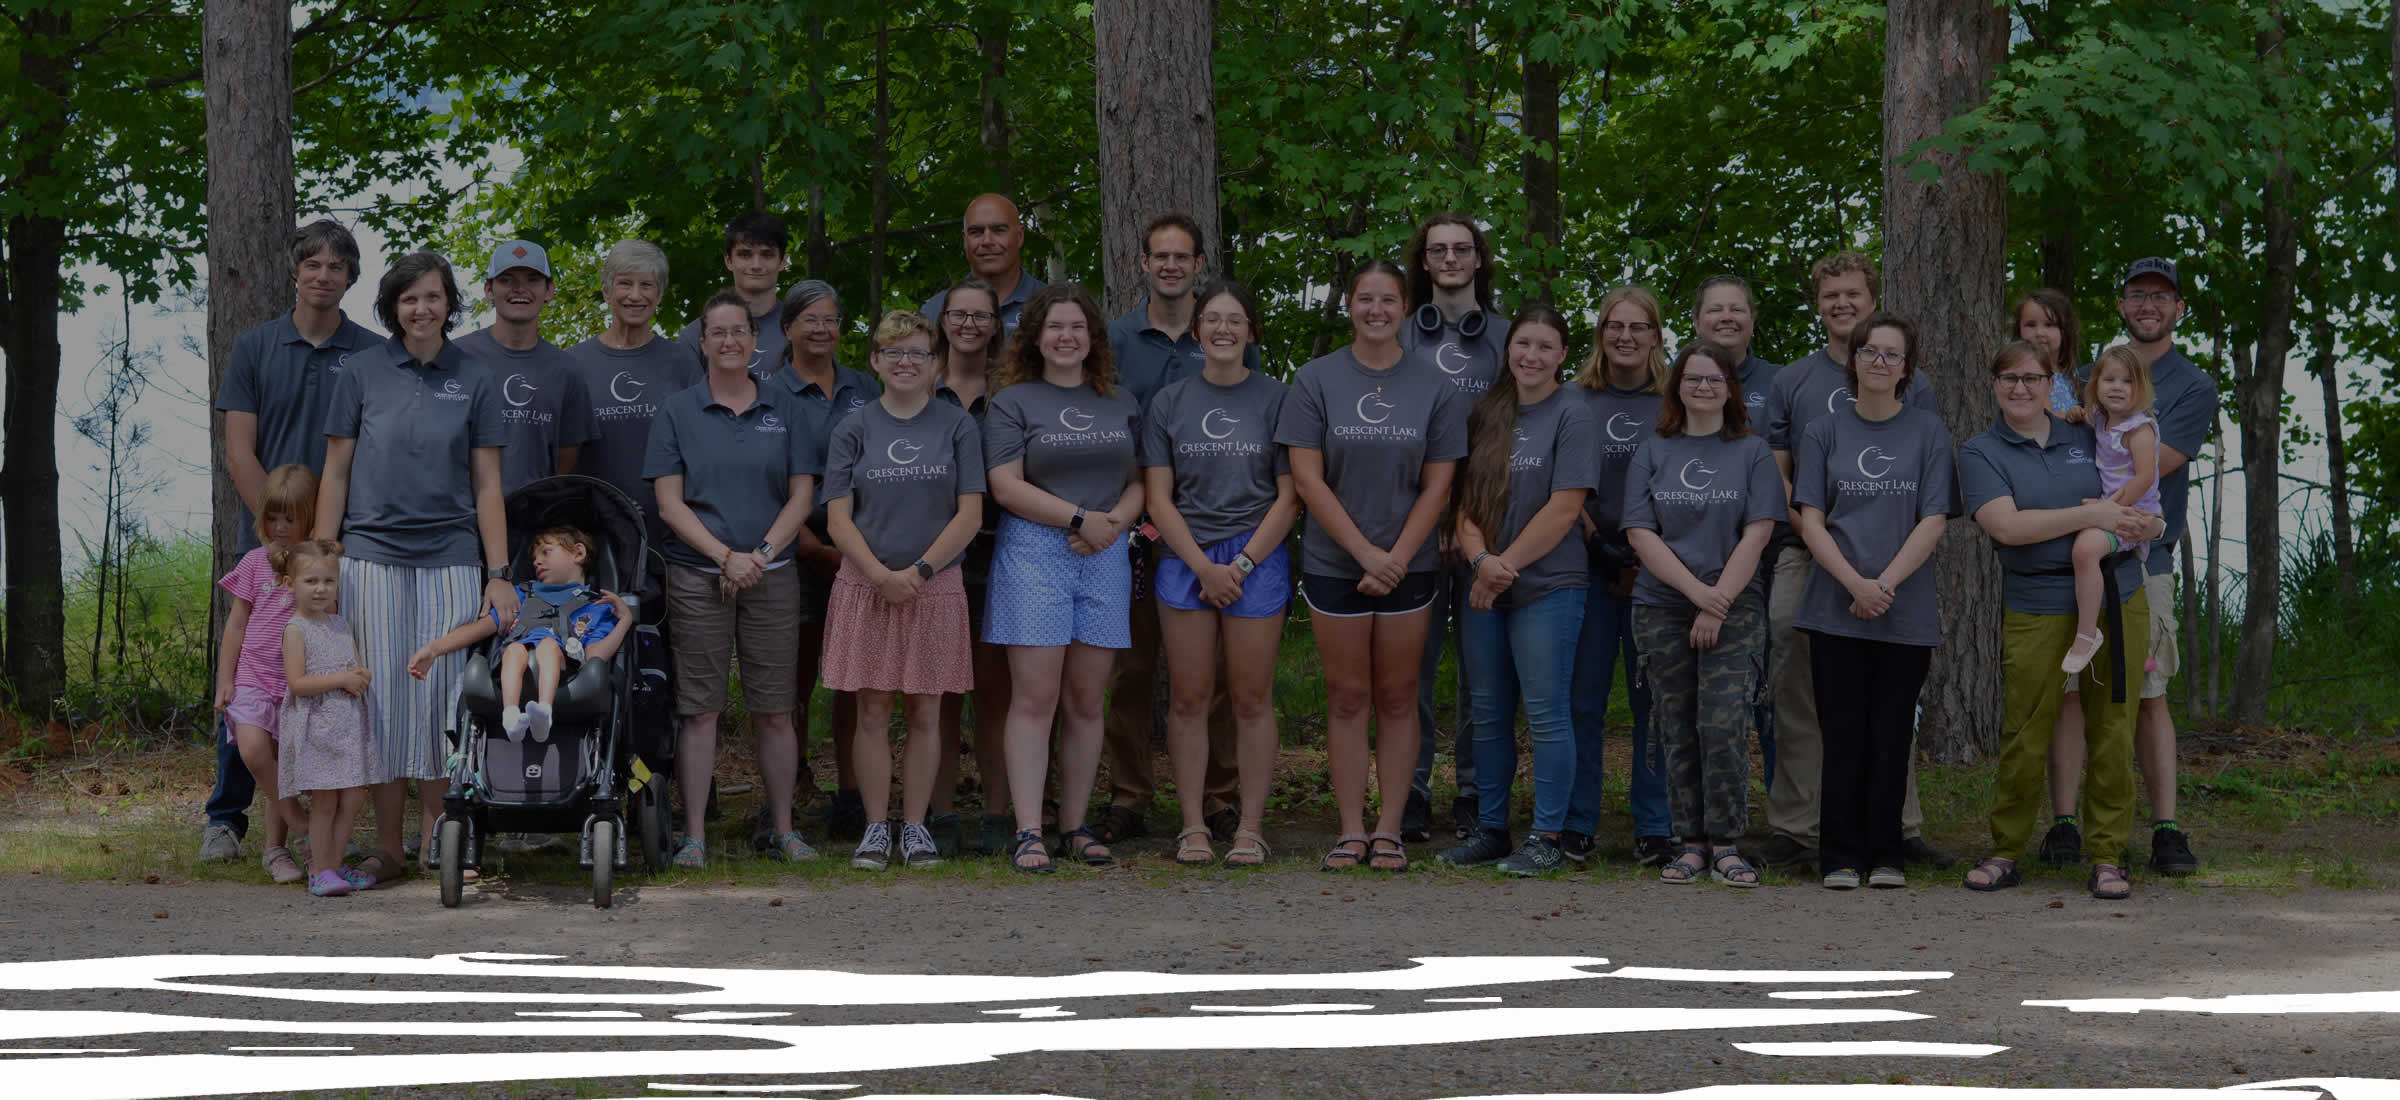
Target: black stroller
[{"x": 610, "y": 750}]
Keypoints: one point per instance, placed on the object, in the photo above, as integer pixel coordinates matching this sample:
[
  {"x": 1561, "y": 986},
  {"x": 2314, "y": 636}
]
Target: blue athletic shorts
[
  {"x": 1044, "y": 593},
  {"x": 1265, "y": 591}
]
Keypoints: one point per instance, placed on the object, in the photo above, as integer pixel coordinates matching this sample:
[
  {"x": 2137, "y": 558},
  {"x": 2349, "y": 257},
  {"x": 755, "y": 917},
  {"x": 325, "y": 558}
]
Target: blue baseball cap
[
  {"x": 525, "y": 254},
  {"x": 2153, "y": 265}
]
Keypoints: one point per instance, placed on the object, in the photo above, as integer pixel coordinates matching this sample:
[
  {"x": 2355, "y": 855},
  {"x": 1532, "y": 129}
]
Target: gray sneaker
[
  {"x": 875, "y": 847},
  {"x": 1538, "y": 855},
  {"x": 917, "y": 846},
  {"x": 220, "y": 844},
  {"x": 1484, "y": 847}
]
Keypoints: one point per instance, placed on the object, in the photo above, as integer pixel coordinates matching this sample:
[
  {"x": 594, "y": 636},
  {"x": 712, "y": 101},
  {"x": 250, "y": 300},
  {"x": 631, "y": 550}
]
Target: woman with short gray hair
[{"x": 630, "y": 370}]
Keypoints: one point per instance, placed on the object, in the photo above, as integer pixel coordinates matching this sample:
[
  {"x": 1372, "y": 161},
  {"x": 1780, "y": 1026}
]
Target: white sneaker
[
  {"x": 512, "y": 723},
  {"x": 537, "y": 721}
]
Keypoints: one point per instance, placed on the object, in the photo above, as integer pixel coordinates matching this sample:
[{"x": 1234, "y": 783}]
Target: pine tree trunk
[
  {"x": 1944, "y": 264},
  {"x": 1541, "y": 174},
  {"x": 2259, "y": 393},
  {"x": 36, "y": 617},
  {"x": 1157, "y": 111},
  {"x": 2345, "y": 551},
  {"x": 246, "y": 71}
]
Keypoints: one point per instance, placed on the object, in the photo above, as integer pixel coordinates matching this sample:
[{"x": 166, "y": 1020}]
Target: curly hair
[{"x": 1022, "y": 362}]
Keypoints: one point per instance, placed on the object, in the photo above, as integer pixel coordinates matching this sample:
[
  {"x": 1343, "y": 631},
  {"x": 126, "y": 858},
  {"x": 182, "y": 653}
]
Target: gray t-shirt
[
  {"x": 1621, "y": 420},
  {"x": 1698, "y": 493},
  {"x": 904, "y": 477},
  {"x": 1220, "y": 441},
  {"x": 412, "y": 479},
  {"x": 543, "y": 406},
  {"x": 737, "y": 468},
  {"x": 1471, "y": 363},
  {"x": 2038, "y": 579},
  {"x": 1874, "y": 482},
  {"x": 1812, "y": 387},
  {"x": 1148, "y": 361},
  {"x": 1077, "y": 445},
  {"x": 285, "y": 381},
  {"x": 1377, "y": 431},
  {"x": 1555, "y": 449},
  {"x": 627, "y": 388},
  {"x": 1757, "y": 377},
  {"x": 765, "y": 326}
]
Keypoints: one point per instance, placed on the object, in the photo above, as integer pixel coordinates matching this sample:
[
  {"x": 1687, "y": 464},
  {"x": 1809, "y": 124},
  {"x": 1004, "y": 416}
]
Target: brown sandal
[
  {"x": 1191, "y": 848},
  {"x": 1249, "y": 849},
  {"x": 1341, "y": 857}
]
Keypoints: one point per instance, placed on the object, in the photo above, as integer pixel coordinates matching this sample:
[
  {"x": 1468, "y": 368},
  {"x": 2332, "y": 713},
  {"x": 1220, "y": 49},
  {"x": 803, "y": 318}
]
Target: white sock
[
  {"x": 537, "y": 721},
  {"x": 512, "y": 722}
]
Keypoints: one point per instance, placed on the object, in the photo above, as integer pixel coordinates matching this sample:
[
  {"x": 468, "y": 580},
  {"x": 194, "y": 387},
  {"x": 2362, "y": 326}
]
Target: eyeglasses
[
  {"x": 1703, "y": 381},
  {"x": 834, "y": 321},
  {"x": 1235, "y": 320},
  {"x": 1444, "y": 251},
  {"x": 904, "y": 355},
  {"x": 2150, "y": 297},
  {"x": 1179, "y": 258},
  {"x": 1638, "y": 328},
  {"x": 963, "y": 317},
  {"x": 2022, "y": 381},
  {"x": 1874, "y": 358},
  {"x": 727, "y": 334}
]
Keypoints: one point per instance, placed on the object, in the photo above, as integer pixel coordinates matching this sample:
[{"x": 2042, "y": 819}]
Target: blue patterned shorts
[{"x": 1043, "y": 593}]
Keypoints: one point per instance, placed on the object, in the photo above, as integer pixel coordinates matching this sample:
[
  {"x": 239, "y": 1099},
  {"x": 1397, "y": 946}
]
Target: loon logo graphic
[
  {"x": 770, "y": 423},
  {"x": 509, "y": 389},
  {"x": 1840, "y": 394},
  {"x": 1517, "y": 445},
  {"x": 450, "y": 386},
  {"x": 1874, "y": 455},
  {"x": 616, "y": 387},
  {"x": 1633, "y": 427},
  {"x": 903, "y": 452},
  {"x": 1383, "y": 409},
  {"x": 1216, "y": 416},
  {"x": 2074, "y": 454},
  {"x": 1452, "y": 358},
  {"x": 1708, "y": 475},
  {"x": 1068, "y": 416}
]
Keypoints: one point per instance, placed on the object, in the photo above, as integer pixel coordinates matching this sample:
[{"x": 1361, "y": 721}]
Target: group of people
[{"x": 1029, "y": 503}]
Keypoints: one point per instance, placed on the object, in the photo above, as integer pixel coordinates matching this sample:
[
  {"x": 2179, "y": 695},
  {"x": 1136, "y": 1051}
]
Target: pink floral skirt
[{"x": 916, "y": 648}]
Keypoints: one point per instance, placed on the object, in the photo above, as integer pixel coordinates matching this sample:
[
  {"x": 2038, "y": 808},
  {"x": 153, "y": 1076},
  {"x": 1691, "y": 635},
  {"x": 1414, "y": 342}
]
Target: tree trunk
[
  {"x": 246, "y": 72},
  {"x": 1157, "y": 114},
  {"x": 2216, "y": 586},
  {"x": 36, "y": 617},
  {"x": 1944, "y": 264},
  {"x": 2345, "y": 553},
  {"x": 2259, "y": 394},
  {"x": 992, "y": 43},
  {"x": 2059, "y": 259},
  {"x": 1541, "y": 174},
  {"x": 2189, "y": 620}
]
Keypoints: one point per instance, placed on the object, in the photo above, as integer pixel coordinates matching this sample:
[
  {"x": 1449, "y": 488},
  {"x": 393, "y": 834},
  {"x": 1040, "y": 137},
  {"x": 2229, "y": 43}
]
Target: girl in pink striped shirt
[{"x": 250, "y": 682}]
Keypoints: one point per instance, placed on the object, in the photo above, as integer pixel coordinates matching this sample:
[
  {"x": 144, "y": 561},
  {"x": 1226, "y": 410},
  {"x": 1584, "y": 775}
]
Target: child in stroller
[{"x": 563, "y": 622}]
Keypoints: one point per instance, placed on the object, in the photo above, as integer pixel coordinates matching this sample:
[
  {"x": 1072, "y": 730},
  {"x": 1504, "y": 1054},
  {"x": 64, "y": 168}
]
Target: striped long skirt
[{"x": 395, "y": 609}]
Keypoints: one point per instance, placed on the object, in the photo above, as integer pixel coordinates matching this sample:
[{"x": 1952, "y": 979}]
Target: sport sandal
[
  {"x": 1343, "y": 856},
  {"x": 1027, "y": 847},
  {"x": 1191, "y": 848},
  {"x": 1080, "y": 843}
]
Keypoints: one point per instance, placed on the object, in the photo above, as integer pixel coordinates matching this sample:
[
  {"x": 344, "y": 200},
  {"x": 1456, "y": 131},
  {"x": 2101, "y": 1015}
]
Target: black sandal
[
  {"x": 1387, "y": 846},
  {"x": 1678, "y": 872},
  {"x": 1081, "y": 849},
  {"x": 1732, "y": 874},
  {"x": 1029, "y": 842}
]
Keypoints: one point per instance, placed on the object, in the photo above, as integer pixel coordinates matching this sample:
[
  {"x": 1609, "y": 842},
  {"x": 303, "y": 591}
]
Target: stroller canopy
[{"x": 589, "y": 504}]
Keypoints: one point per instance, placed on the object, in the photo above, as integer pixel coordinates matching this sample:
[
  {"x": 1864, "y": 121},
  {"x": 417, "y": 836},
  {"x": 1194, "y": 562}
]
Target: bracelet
[{"x": 1477, "y": 563}]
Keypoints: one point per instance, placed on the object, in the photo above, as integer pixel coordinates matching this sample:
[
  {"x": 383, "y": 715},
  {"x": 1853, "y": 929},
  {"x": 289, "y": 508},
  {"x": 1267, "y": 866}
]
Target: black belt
[{"x": 2114, "y": 600}]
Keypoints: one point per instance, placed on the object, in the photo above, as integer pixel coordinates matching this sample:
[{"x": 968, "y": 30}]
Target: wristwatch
[
  {"x": 499, "y": 574},
  {"x": 1242, "y": 563},
  {"x": 924, "y": 570},
  {"x": 765, "y": 549},
  {"x": 1076, "y": 524}
]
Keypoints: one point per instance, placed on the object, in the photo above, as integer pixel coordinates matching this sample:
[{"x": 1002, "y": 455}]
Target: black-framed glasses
[{"x": 969, "y": 317}]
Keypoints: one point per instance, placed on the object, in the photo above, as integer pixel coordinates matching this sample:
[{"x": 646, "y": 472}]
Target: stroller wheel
[
  {"x": 454, "y": 864},
  {"x": 650, "y": 826},
  {"x": 604, "y": 847}
]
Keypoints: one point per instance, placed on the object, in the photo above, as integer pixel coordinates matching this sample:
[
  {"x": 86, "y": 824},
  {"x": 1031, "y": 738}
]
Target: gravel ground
[{"x": 1174, "y": 945}]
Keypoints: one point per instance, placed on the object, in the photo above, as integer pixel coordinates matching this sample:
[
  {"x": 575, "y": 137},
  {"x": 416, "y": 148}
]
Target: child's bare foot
[{"x": 2087, "y": 645}]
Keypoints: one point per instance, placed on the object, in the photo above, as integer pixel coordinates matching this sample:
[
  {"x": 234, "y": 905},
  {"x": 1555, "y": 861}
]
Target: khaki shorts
[
  {"x": 706, "y": 629},
  {"x": 2164, "y": 658}
]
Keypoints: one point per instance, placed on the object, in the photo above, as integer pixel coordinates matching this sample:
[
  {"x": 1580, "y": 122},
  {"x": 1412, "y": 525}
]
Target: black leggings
[{"x": 1867, "y": 707}]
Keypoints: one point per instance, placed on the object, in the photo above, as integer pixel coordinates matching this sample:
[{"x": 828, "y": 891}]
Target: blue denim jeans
[
  {"x": 229, "y": 800},
  {"x": 1524, "y": 652},
  {"x": 1608, "y": 633},
  {"x": 1447, "y": 601}
]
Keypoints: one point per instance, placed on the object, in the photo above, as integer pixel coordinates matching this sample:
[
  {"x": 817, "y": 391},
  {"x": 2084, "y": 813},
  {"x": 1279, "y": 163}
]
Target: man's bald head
[{"x": 995, "y": 238}]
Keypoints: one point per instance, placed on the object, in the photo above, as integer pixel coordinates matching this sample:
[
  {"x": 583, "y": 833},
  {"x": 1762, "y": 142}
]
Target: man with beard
[{"x": 546, "y": 414}]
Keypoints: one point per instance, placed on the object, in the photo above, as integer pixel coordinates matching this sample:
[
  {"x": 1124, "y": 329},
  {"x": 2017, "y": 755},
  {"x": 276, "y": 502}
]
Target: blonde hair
[
  {"x": 900, "y": 324},
  {"x": 1843, "y": 263},
  {"x": 1595, "y": 366},
  {"x": 287, "y": 561},
  {"x": 290, "y": 490},
  {"x": 2144, "y": 393}
]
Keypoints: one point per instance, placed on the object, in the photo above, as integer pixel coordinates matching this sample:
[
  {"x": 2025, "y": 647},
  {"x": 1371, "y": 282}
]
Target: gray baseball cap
[
  {"x": 2154, "y": 265},
  {"x": 529, "y": 255}
]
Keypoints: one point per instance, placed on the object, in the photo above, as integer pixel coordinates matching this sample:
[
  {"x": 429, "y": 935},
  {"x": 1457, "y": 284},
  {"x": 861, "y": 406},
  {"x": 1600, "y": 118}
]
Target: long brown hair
[
  {"x": 1595, "y": 365},
  {"x": 1022, "y": 362},
  {"x": 1670, "y": 404},
  {"x": 1492, "y": 433},
  {"x": 941, "y": 331}
]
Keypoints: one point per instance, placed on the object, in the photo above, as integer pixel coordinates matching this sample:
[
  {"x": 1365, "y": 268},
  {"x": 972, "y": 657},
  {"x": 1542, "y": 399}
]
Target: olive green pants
[{"x": 2031, "y": 648}]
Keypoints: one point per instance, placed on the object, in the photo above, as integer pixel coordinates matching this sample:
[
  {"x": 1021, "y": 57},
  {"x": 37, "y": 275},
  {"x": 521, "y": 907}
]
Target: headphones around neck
[{"x": 1430, "y": 319}]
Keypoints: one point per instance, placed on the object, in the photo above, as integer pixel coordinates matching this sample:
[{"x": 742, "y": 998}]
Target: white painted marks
[
  {"x": 1887, "y": 1048},
  {"x": 1270, "y": 1010},
  {"x": 1038, "y": 1012},
  {"x": 2249, "y": 1004},
  {"x": 1838, "y": 994}
]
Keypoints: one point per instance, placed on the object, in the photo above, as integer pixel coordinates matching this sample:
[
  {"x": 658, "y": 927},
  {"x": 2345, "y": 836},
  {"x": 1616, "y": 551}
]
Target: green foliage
[{"x": 160, "y": 682}]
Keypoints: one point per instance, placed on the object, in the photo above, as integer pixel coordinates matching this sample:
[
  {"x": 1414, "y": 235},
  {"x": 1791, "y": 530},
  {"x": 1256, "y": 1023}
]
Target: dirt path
[{"x": 1678, "y": 991}]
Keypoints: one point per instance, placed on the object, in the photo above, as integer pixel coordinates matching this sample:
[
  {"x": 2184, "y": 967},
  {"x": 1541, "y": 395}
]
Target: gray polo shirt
[
  {"x": 412, "y": 479},
  {"x": 1011, "y": 308},
  {"x": 768, "y": 328},
  {"x": 1077, "y": 445},
  {"x": 736, "y": 467},
  {"x": 1698, "y": 493},
  {"x": 2038, "y": 579},
  {"x": 904, "y": 477},
  {"x": 1621, "y": 419},
  {"x": 1147, "y": 361},
  {"x": 1555, "y": 449},
  {"x": 1757, "y": 377},
  {"x": 1470, "y": 363},
  {"x": 1874, "y": 482},
  {"x": 821, "y": 412},
  {"x": 1377, "y": 431},
  {"x": 627, "y": 389},
  {"x": 543, "y": 405},
  {"x": 2186, "y": 411},
  {"x": 1814, "y": 386},
  {"x": 1220, "y": 441},
  {"x": 285, "y": 382}
]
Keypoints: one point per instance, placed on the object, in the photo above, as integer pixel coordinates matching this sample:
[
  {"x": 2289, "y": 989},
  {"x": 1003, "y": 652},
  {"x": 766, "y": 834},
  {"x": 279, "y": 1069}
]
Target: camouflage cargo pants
[{"x": 1701, "y": 700}]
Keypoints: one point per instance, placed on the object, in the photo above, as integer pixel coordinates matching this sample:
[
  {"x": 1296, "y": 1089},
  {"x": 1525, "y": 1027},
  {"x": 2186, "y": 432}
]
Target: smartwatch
[
  {"x": 499, "y": 574},
  {"x": 924, "y": 570},
  {"x": 765, "y": 549},
  {"x": 1076, "y": 524},
  {"x": 1242, "y": 563}
]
